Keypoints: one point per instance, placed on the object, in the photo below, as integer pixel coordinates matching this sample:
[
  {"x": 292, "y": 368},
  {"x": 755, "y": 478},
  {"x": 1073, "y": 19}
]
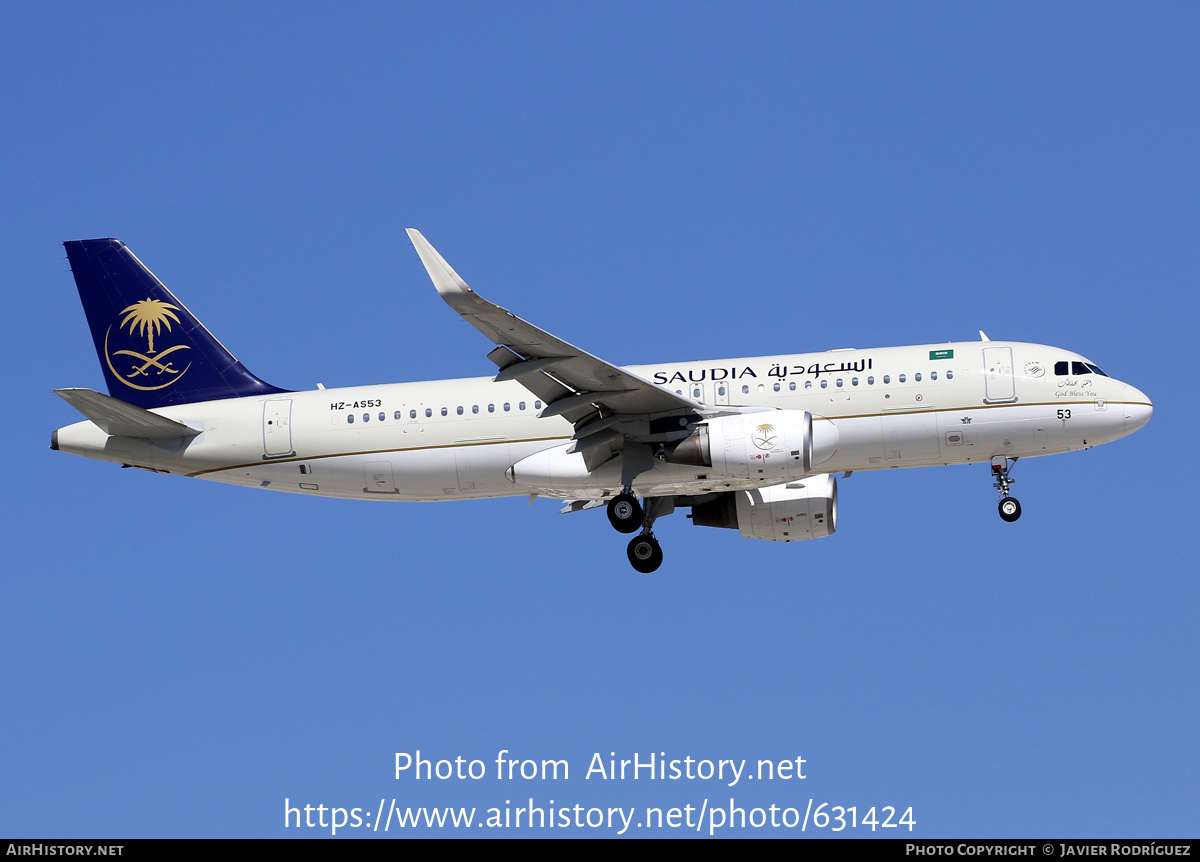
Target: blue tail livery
[{"x": 152, "y": 350}]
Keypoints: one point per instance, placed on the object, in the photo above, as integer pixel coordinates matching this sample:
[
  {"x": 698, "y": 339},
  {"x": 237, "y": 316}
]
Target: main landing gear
[
  {"x": 624, "y": 513},
  {"x": 1010, "y": 508},
  {"x": 626, "y": 516},
  {"x": 644, "y": 553}
]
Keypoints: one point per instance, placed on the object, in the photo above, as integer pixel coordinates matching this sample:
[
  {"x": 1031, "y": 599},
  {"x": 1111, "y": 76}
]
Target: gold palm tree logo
[
  {"x": 148, "y": 317},
  {"x": 762, "y": 437}
]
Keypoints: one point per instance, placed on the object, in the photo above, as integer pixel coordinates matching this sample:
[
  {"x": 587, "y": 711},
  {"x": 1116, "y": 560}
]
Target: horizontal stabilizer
[{"x": 123, "y": 420}]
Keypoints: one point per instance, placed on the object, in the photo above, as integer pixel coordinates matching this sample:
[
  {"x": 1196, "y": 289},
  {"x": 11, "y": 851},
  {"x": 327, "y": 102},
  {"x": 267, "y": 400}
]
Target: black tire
[
  {"x": 1010, "y": 509},
  {"x": 644, "y": 554},
  {"x": 625, "y": 513}
]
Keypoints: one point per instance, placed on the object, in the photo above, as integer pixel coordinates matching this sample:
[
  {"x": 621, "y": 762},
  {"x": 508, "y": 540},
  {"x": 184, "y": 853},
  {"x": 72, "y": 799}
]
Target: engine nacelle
[
  {"x": 806, "y": 509},
  {"x": 774, "y": 446}
]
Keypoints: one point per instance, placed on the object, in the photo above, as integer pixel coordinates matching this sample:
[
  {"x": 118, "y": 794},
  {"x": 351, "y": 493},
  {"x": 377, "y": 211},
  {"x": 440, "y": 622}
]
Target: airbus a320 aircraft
[{"x": 747, "y": 444}]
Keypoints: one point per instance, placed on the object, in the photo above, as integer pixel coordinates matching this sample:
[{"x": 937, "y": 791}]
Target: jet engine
[
  {"x": 806, "y": 509},
  {"x": 775, "y": 445}
]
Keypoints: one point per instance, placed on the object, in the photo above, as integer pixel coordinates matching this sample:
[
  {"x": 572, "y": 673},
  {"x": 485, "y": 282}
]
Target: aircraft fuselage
[{"x": 459, "y": 439}]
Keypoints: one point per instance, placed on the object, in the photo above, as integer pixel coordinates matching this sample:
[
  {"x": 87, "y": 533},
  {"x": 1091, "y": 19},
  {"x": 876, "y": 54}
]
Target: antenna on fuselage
[{"x": 983, "y": 336}]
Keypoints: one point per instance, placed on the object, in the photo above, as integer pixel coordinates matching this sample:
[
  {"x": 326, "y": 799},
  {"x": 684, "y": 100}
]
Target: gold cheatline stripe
[
  {"x": 897, "y": 412},
  {"x": 902, "y": 411}
]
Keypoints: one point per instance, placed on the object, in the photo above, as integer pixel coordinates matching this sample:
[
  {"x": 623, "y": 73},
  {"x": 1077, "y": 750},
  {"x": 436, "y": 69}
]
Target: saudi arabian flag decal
[{"x": 941, "y": 354}]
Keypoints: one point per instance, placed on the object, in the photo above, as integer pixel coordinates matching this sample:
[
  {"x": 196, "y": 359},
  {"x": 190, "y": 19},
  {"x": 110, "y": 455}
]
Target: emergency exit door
[{"x": 999, "y": 382}]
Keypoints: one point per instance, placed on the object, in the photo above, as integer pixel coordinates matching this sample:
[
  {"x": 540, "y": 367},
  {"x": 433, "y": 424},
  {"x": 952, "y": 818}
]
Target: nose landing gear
[{"x": 1010, "y": 508}]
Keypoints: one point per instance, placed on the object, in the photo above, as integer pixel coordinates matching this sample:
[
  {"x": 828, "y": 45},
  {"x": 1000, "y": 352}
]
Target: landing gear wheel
[
  {"x": 645, "y": 554},
  {"x": 624, "y": 513},
  {"x": 1010, "y": 509}
]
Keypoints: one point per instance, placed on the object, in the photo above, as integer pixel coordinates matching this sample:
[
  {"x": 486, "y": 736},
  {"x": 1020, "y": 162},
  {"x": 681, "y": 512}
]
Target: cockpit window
[{"x": 1077, "y": 369}]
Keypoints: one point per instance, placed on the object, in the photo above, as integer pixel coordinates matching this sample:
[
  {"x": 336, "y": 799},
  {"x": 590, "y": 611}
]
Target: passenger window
[
  {"x": 824, "y": 384},
  {"x": 412, "y": 414},
  {"x": 491, "y": 408},
  {"x": 949, "y": 375},
  {"x": 474, "y": 408},
  {"x": 507, "y": 406},
  {"x": 853, "y": 381},
  {"x": 839, "y": 383},
  {"x": 428, "y": 412},
  {"x": 366, "y": 417},
  {"x": 397, "y": 414},
  {"x": 933, "y": 375},
  {"x": 537, "y": 405},
  {"x": 521, "y": 406},
  {"x": 808, "y": 384},
  {"x": 887, "y": 378},
  {"x": 460, "y": 411},
  {"x": 745, "y": 390},
  {"x": 1060, "y": 369},
  {"x": 792, "y": 386},
  {"x": 870, "y": 381},
  {"x": 776, "y": 387},
  {"x": 917, "y": 377},
  {"x": 696, "y": 394},
  {"x": 350, "y": 419},
  {"x": 902, "y": 378},
  {"x": 444, "y": 411},
  {"x": 382, "y": 416}
]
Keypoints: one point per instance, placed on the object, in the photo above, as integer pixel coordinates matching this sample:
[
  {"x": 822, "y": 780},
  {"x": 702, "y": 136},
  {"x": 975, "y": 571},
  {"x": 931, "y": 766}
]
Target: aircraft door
[
  {"x": 910, "y": 436},
  {"x": 462, "y": 462},
  {"x": 696, "y": 392},
  {"x": 378, "y": 478},
  {"x": 277, "y": 428},
  {"x": 721, "y": 390},
  {"x": 999, "y": 383}
]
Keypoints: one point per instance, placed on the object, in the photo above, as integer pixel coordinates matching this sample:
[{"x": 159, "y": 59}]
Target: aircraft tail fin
[{"x": 152, "y": 350}]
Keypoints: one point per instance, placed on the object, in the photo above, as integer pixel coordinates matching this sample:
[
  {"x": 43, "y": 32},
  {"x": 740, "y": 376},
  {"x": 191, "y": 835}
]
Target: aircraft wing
[{"x": 571, "y": 382}]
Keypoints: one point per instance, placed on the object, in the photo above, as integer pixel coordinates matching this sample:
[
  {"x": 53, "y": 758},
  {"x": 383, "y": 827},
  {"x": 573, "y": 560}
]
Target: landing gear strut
[{"x": 1010, "y": 508}]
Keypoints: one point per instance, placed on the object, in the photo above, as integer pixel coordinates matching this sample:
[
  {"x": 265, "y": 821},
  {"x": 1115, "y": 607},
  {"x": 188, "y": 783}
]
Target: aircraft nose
[{"x": 1138, "y": 409}]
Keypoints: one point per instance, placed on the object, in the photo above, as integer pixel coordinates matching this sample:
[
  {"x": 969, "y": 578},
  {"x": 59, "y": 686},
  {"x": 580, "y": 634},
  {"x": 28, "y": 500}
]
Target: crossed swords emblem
[
  {"x": 762, "y": 437},
  {"x": 149, "y": 361}
]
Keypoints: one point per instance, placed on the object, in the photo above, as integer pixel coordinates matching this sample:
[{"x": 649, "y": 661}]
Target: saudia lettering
[
  {"x": 735, "y": 372},
  {"x": 713, "y": 374},
  {"x": 147, "y": 318}
]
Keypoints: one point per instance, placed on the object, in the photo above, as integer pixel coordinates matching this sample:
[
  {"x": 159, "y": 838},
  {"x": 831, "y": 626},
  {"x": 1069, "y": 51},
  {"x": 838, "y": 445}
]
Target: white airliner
[{"x": 748, "y": 444}]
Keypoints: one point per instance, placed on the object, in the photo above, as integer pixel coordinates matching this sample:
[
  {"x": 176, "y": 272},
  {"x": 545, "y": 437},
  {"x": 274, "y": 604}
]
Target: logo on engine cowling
[{"x": 763, "y": 437}]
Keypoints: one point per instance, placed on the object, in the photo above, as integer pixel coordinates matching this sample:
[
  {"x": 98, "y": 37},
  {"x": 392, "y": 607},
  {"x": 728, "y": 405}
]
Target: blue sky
[{"x": 653, "y": 183}]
